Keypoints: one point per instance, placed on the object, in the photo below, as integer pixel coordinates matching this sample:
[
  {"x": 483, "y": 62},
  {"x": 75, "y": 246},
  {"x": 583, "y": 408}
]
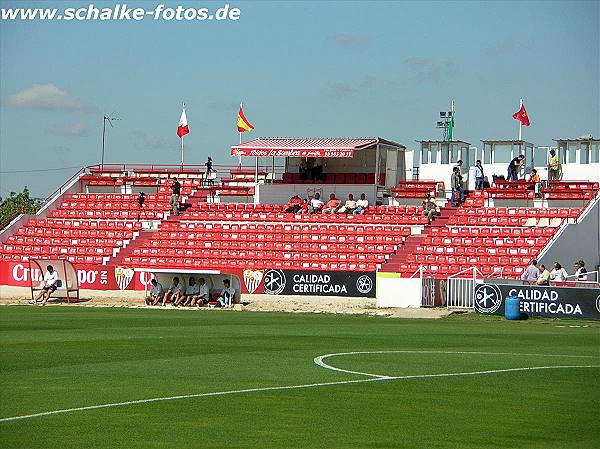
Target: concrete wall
[
  {"x": 281, "y": 193},
  {"x": 577, "y": 241}
]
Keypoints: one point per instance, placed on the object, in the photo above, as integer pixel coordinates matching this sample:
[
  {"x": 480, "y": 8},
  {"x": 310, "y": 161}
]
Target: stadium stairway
[
  {"x": 128, "y": 250},
  {"x": 412, "y": 241}
]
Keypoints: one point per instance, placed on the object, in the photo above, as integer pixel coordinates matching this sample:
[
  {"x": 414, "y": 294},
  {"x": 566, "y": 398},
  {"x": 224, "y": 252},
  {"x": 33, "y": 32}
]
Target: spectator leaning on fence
[
  {"x": 531, "y": 273},
  {"x": 558, "y": 273},
  {"x": 544, "y": 278},
  {"x": 580, "y": 271}
]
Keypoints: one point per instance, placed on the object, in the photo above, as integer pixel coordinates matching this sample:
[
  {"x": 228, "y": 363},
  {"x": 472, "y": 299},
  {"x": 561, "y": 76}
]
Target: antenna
[{"x": 106, "y": 118}]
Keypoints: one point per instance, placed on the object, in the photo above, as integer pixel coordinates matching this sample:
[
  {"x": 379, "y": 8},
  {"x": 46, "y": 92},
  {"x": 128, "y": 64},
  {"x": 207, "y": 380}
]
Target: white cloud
[
  {"x": 76, "y": 129},
  {"x": 337, "y": 90},
  {"x": 46, "y": 96},
  {"x": 356, "y": 42}
]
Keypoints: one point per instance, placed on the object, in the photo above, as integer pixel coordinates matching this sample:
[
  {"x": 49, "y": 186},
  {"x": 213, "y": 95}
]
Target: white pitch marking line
[{"x": 294, "y": 387}]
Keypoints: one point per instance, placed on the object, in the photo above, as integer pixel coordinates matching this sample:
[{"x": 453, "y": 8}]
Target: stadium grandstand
[{"x": 231, "y": 221}]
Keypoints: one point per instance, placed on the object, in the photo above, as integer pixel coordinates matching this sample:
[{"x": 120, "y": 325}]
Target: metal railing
[{"x": 460, "y": 291}]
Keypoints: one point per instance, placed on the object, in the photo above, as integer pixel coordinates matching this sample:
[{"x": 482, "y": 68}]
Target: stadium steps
[
  {"x": 136, "y": 243},
  {"x": 412, "y": 241}
]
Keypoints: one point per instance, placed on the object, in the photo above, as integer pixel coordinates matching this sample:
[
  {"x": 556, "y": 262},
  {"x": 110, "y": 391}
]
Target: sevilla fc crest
[
  {"x": 252, "y": 279},
  {"x": 123, "y": 276}
]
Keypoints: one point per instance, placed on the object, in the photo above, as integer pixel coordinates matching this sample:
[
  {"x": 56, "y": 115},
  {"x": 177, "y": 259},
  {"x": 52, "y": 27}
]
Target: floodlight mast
[{"x": 107, "y": 118}]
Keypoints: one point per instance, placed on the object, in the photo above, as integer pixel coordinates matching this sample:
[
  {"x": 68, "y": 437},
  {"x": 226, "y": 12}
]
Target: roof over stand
[{"x": 343, "y": 147}]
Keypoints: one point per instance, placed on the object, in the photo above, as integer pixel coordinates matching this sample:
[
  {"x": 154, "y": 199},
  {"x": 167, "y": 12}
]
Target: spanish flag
[{"x": 242, "y": 122}]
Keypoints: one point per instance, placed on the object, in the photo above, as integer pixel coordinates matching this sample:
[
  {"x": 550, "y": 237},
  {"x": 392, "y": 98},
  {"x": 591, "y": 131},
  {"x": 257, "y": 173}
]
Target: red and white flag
[{"x": 183, "y": 127}]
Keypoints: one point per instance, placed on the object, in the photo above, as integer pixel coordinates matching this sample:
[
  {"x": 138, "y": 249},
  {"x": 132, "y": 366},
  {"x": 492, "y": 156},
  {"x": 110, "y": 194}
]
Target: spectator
[
  {"x": 173, "y": 293},
  {"x": 553, "y": 166},
  {"x": 429, "y": 207},
  {"x": 51, "y": 283},
  {"x": 558, "y": 273},
  {"x": 156, "y": 293},
  {"x": 315, "y": 204},
  {"x": 227, "y": 295},
  {"x": 350, "y": 205},
  {"x": 294, "y": 205},
  {"x": 303, "y": 169},
  {"x": 457, "y": 188},
  {"x": 331, "y": 206},
  {"x": 317, "y": 169},
  {"x": 479, "y": 176},
  {"x": 514, "y": 167},
  {"x": 361, "y": 205},
  {"x": 535, "y": 181},
  {"x": 176, "y": 189},
  {"x": 531, "y": 273},
  {"x": 544, "y": 278},
  {"x": 191, "y": 293},
  {"x": 305, "y": 206},
  {"x": 203, "y": 294},
  {"x": 580, "y": 271}
]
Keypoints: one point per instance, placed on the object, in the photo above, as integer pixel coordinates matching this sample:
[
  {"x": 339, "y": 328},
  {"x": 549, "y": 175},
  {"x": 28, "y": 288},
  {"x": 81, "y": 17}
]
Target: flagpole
[
  {"x": 240, "y": 157},
  {"x": 520, "y": 124},
  {"x": 182, "y": 141}
]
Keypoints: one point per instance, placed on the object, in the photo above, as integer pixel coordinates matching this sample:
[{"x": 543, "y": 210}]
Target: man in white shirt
[
  {"x": 349, "y": 207},
  {"x": 315, "y": 204},
  {"x": 49, "y": 286},
  {"x": 156, "y": 293},
  {"x": 174, "y": 292},
  {"x": 361, "y": 205},
  {"x": 531, "y": 273},
  {"x": 191, "y": 292},
  {"x": 227, "y": 294},
  {"x": 203, "y": 294}
]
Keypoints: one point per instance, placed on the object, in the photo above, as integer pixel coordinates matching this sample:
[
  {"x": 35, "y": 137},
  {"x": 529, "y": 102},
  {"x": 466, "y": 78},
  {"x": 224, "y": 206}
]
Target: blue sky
[{"x": 302, "y": 69}]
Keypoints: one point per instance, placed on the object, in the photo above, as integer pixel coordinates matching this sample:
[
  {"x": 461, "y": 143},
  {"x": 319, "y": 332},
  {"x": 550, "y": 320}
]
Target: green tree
[{"x": 15, "y": 204}]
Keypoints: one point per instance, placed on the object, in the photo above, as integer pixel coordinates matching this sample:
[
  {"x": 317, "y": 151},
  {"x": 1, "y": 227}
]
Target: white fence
[
  {"x": 460, "y": 291},
  {"x": 427, "y": 286}
]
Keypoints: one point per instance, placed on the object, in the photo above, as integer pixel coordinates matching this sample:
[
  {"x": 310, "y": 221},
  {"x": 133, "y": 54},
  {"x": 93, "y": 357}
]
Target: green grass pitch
[{"x": 58, "y": 358}]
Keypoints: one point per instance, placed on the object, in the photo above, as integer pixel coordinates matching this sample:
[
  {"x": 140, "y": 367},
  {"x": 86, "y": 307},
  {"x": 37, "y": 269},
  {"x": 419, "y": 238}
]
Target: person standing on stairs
[{"x": 176, "y": 189}]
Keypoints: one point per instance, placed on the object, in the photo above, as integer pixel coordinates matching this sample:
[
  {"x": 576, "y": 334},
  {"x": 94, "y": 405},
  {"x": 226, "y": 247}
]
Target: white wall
[
  {"x": 281, "y": 193},
  {"x": 577, "y": 241}
]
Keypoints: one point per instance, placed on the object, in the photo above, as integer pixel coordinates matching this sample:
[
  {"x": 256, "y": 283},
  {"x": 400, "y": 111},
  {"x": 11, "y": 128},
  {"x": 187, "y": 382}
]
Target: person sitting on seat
[
  {"x": 429, "y": 207},
  {"x": 332, "y": 205},
  {"x": 361, "y": 205},
  {"x": 227, "y": 295},
  {"x": 315, "y": 204},
  {"x": 535, "y": 180},
  {"x": 191, "y": 293},
  {"x": 51, "y": 283},
  {"x": 294, "y": 205},
  {"x": 349, "y": 206},
  {"x": 173, "y": 293},
  {"x": 156, "y": 293},
  {"x": 203, "y": 294}
]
